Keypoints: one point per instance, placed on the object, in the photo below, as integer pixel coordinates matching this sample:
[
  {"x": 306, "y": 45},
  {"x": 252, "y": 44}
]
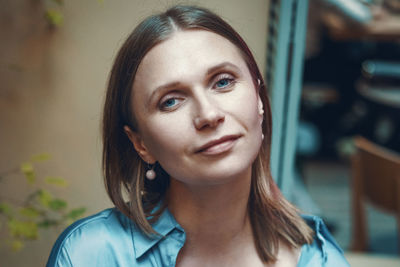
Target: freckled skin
[{"x": 202, "y": 113}]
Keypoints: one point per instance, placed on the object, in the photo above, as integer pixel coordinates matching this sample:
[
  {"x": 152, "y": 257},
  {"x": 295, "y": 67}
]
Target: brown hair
[{"x": 273, "y": 218}]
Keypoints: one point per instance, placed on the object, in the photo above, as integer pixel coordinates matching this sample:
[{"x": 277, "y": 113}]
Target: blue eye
[
  {"x": 169, "y": 103},
  {"x": 223, "y": 83}
]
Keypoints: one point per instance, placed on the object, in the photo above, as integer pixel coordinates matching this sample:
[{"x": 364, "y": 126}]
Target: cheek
[
  {"x": 248, "y": 111},
  {"x": 162, "y": 136}
]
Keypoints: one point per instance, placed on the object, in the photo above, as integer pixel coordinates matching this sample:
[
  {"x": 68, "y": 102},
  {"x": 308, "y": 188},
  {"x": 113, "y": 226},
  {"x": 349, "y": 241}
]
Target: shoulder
[
  {"x": 324, "y": 251},
  {"x": 100, "y": 237}
]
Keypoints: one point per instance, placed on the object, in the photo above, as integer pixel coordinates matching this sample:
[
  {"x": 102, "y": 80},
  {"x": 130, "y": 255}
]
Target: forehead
[{"x": 186, "y": 54}]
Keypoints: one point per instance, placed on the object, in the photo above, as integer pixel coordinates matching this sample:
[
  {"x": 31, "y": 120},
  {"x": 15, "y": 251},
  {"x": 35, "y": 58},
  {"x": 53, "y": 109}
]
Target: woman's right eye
[{"x": 169, "y": 103}]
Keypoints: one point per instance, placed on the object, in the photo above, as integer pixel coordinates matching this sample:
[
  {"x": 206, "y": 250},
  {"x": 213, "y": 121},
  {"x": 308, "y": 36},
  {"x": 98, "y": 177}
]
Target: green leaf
[
  {"x": 47, "y": 223},
  {"x": 54, "y": 17},
  {"x": 30, "y": 177},
  {"x": 40, "y": 157},
  {"x": 16, "y": 245},
  {"x": 57, "y": 181},
  {"x": 23, "y": 229},
  {"x": 76, "y": 213},
  {"x": 29, "y": 212},
  {"x": 57, "y": 204},
  {"x": 5, "y": 209},
  {"x": 44, "y": 198},
  {"x": 27, "y": 169}
]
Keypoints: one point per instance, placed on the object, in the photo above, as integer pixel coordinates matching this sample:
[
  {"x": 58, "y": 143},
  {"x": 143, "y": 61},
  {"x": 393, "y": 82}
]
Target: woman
[{"x": 186, "y": 132}]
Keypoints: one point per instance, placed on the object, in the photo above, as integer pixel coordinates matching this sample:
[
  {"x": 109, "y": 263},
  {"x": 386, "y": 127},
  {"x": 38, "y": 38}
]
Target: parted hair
[{"x": 273, "y": 218}]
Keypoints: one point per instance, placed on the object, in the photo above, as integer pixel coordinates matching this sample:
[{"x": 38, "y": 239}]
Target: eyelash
[
  {"x": 221, "y": 77},
  {"x": 163, "y": 106}
]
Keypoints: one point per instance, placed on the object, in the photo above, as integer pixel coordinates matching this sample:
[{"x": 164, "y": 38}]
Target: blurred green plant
[
  {"x": 53, "y": 14},
  {"x": 39, "y": 209}
]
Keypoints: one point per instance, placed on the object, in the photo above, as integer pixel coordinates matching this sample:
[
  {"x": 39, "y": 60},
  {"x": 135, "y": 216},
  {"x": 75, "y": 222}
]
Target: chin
[{"x": 222, "y": 173}]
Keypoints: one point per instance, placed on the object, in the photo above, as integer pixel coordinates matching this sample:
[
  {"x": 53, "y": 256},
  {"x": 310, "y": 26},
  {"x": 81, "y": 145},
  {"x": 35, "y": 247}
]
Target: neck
[{"x": 214, "y": 215}]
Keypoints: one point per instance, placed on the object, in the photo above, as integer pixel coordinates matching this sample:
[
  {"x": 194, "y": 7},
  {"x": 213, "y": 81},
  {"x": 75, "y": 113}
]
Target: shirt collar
[
  {"x": 163, "y": 226},
  {"x": 322, "y": 235},
  {"x": 167, "y": 223}
]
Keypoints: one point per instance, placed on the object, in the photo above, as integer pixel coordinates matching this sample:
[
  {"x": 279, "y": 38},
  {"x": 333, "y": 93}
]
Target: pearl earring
[
  {"x": 262, "y": 136},
  {"x": 150, "y": 173}
]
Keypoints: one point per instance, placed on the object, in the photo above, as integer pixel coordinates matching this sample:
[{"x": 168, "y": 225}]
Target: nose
[{"x": 208, "y": 114}]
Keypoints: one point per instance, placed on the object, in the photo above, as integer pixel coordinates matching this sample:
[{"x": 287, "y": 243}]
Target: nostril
[
  {"x": 222, "y": 119},
  {"x": 210, "y": 120}
]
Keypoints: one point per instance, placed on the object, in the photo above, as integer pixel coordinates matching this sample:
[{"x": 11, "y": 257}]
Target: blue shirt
[{"x": 109, "y": 239}]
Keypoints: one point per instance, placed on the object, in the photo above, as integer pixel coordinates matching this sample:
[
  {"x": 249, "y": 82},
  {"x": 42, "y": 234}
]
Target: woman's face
[{"x": 197, "y": 109}]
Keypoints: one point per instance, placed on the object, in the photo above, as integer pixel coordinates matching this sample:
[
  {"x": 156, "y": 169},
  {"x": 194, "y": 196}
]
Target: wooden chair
[{"x": 376, "y": 179}]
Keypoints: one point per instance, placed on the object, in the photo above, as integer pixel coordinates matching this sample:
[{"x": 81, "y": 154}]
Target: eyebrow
[
  {"x": 221, "y": 66},
  {"x": 175, "y": 84}
]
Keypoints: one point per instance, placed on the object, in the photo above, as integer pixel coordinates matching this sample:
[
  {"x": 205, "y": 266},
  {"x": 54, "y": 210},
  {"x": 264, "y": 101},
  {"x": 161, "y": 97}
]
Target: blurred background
[
  {"x": 350, "y": 88},
  {"x": 54, "y": 62}
]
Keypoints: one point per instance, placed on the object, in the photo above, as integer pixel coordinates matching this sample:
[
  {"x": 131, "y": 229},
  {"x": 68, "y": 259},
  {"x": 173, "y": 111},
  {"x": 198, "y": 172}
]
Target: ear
[{"x": 139, "y": 145}]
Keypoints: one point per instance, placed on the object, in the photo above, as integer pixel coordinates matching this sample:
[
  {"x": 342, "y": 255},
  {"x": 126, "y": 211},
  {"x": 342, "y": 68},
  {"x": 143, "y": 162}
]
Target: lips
[{"x": 219, "y": 145}]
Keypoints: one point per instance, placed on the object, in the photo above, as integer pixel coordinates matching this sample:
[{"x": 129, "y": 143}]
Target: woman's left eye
[
  {"x": 224, "y": 82},
  {"x": 170, "y": 102}
]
